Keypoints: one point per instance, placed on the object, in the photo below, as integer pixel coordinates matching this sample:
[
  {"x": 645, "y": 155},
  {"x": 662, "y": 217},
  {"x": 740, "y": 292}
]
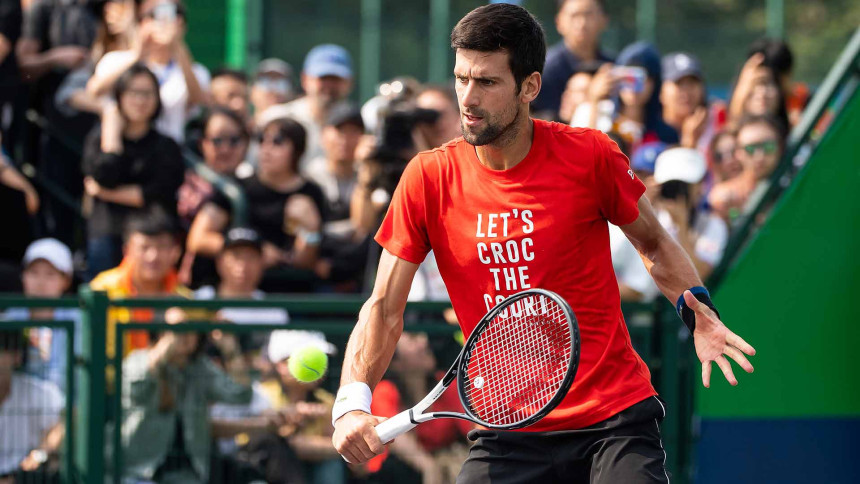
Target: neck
[
  {"x": 586, "y": 53},
  {"x": 510, "y": 148},
  {"x": 160, "y": 55},
  {"x": 673, "y": 119},
  {"x": 147, "y": 288},
  {"x": 43, "y": 314},
  {"x": 341, "y": 169},
  {"x": 136, "y": 130},
  {"x": 317, "y": 109},
  {"x": 280, "y": 180},
  {"x": 229, "y": 290}
]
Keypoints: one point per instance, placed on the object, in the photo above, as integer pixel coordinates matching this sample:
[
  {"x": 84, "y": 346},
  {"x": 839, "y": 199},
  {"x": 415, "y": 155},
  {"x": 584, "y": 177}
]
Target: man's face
[
  {"x": 241, "y": 267},
  {"x": 487, "y": 93},
  {"x": 152, "y": 256},
  {"x": 223, "y": 144},
  {"x": 581, "y": 22},
  {"x": 447, "y": 127},
  {"x": 339, "y": 142},
  {"x": 230, "y": 93},
  {"x": 327, "y": 90},
  {"x": 41, "y": 279},
  {"x": 683, "y": 96},
  {"x": 268, "y": 90},
  {"x": 758, "y": 149}
]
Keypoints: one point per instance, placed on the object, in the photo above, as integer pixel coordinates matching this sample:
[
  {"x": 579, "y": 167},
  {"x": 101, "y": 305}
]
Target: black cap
[
  {"x": 238, "y": 236},
  {"x": 343, "y": 114},
  {"x": 681, "y": 64}
]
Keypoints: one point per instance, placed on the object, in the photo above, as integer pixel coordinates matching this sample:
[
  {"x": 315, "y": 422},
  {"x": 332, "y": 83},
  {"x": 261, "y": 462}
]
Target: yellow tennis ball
[{"x": 308, "y": 364}]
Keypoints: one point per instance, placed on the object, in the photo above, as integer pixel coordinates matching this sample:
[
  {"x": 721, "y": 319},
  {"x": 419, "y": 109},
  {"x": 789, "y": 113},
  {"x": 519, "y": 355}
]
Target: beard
[{"x": 492, "y": 131}]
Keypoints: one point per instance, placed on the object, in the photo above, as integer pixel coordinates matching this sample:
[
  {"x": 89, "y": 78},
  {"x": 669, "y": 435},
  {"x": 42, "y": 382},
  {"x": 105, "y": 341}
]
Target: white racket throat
[{"x": 407, "y": 420}]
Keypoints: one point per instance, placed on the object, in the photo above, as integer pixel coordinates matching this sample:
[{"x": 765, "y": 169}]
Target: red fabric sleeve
[
  {"x": 404, "y": 229},
  {"x": 618, "y": 187}
]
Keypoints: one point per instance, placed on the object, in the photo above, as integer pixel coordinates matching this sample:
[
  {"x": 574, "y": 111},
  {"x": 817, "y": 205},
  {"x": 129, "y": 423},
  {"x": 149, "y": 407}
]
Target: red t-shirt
[{"x": 540, "y": 224}]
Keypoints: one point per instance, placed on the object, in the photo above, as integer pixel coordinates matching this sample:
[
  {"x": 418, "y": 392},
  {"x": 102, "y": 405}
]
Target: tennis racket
[{"x": 516, "y": 366}]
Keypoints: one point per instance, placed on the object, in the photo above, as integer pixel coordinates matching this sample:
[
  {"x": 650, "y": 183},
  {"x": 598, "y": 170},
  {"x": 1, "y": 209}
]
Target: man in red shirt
[{"x": 515, "y": 204}]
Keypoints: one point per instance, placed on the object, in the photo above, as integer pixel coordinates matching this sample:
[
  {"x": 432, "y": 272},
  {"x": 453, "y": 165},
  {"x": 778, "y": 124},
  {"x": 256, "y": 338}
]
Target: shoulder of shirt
[
  {"x": 568, "y": 131},
  {"x": 107, "y": 279},
  {"x": 440, "y": 153}
]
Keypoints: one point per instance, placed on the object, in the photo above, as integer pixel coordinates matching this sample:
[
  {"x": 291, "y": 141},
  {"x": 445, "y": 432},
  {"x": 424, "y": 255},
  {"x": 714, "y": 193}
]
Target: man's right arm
[{"x": 369, "y": 351}]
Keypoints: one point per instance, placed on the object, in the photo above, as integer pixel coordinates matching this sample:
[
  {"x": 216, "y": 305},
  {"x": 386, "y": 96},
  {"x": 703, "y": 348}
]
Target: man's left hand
[{"x": 714, "y": 341}]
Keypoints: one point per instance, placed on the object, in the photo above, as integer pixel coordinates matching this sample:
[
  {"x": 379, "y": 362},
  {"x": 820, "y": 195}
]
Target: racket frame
[{"x": 408, "y": 419}]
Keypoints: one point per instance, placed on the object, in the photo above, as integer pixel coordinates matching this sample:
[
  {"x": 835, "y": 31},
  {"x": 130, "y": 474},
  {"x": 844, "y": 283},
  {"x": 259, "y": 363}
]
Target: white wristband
[{"x": 353, "y": 396}]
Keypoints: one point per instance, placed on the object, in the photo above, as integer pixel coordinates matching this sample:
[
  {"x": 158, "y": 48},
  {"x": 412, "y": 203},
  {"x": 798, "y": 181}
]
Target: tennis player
[{"x": 521, "y": 203}]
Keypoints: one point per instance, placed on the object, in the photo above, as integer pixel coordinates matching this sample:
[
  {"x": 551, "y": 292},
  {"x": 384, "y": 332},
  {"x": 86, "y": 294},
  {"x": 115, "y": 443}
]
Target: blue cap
[
  {"x": 645, "y": 157},
  {"x": 681, "y": 64},
  {"x": 328, "y": 60}
]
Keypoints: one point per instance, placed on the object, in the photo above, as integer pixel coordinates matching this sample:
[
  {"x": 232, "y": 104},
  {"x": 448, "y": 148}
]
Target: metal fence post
[{"x": 91, "y": 392}]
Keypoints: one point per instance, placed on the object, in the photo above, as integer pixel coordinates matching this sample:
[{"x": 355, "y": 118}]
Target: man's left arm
[{"x": 675, "y": 275}]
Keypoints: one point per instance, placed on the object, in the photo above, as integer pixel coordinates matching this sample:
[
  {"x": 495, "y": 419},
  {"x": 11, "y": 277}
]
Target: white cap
[
  {"x": 283, "y": 342},
  {"x": 53, "y": 251},
  {"x": 682, "y": 164}
]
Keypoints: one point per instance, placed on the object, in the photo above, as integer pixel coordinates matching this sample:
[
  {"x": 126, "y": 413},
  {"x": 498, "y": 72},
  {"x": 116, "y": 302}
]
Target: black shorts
[{"x": 625, "y": 448}]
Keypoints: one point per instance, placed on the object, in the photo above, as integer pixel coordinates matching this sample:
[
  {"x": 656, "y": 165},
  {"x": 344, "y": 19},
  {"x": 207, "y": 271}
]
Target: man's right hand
[{"x": 355, "y": 437}]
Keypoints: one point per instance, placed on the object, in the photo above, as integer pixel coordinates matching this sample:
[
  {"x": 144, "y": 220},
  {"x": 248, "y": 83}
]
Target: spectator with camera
[
  {"x": 160, "y": 45},
  {"x": 580, "y": 23},
  {"x": 759, "y": 142},
  {"x": 689, "y": 118},
  {"x": 327, "y": 81},
  {"x": 285, "y": 208},
  {"x": 129, "y": 166},
  {"x": 760, "y": 90},
  {"x": 31, "y": 412},
  {"x": 167, "y": 389}
]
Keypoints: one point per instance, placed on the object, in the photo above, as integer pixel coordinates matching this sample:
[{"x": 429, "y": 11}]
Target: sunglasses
[
  {"x": 231, "y": 141},
  {"x": 277, "y": 140},
  {"x": 768, "y": 147}
]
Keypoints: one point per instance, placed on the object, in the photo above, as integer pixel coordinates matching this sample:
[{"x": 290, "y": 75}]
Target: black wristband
[{"x": 688, "y": 316}]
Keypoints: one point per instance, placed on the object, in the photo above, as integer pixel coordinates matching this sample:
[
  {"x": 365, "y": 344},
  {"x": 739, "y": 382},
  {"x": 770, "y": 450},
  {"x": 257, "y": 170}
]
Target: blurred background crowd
[{"x": 122, "y": 157}]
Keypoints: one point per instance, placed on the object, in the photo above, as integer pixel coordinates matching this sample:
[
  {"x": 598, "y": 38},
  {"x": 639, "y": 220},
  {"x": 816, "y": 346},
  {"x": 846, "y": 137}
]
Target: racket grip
[{"x": 396, "y": 425}]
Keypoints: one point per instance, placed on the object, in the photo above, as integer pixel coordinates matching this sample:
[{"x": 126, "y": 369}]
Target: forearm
[
  {"x": 671, "y": 268},
  {"x": 102, "y": 82},
  {"x": 372, "y": 343},
  {"x": 34, "y": 65},
  {"x": 196, "y": 94},
  {"x": 12, "y": 178},
  {"x": 223, "y": 429},
  {"x": 129, "y": 195},
  {"x": 313, "y": 447}
]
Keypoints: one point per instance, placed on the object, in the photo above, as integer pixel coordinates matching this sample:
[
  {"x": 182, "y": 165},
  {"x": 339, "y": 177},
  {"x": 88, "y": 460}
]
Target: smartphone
[
  {"x": 631, "y": 78},
  {"x": 165, "y": 12}
]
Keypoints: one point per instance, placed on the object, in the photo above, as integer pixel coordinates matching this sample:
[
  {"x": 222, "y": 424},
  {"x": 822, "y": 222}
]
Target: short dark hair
[
  {"x": 293, "y": 131},
  {"x": 231, "y": 73},
  {"x": 502, "y": 26},
  {"x": 777, "y": 54},
  {"x": 151, "y": 221},
  {"x": 560, "y": 3},
  {"x": 122, "y": 85},
  {"x": 215, "y": 111}
]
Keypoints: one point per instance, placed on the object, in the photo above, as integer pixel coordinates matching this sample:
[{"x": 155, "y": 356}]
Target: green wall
[{"x": 795, "y": 294}]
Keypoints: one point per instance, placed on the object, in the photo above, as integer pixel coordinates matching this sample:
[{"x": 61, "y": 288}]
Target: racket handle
[{"x": 396, "y": 425}]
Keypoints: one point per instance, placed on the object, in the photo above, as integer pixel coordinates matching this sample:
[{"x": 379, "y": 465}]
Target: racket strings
[{"x": 518, "y": 362}]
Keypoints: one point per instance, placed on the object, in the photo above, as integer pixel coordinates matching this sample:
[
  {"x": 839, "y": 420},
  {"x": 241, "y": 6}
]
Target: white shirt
[
  {"x": 275, "y": 316},
  {"x": 629, "y": 268},
  {"x": 32, "y": 408},
  {"x": 711, "y": 231},
  {"x": 298, "y": 110},
  {"x": 175, "y": 111},
  {"x": 428, "y": 284}
]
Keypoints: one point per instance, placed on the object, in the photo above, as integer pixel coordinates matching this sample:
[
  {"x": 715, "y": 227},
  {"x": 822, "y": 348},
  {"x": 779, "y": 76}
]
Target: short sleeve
[
  {"x": 618, "y": 188},
  {"x": 404, "y": 229}
]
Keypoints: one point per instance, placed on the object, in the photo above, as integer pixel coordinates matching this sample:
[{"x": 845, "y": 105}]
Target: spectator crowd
[{"x": 129, "y": 144}]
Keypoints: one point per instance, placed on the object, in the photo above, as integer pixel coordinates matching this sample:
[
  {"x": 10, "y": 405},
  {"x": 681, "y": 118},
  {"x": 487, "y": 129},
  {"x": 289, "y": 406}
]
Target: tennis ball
[{"x": 308, "y": 364}]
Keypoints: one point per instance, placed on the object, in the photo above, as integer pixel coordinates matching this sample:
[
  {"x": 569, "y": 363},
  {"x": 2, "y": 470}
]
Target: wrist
[
  {"x": 351, "y": 397},
  {"x": 687, "y": 315}
]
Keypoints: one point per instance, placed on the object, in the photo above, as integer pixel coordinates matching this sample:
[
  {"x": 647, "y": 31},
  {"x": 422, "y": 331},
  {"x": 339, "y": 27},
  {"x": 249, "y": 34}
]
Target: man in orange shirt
[
  {"x": 147, "y": 269},
  {"x": 519, "y": 203}
]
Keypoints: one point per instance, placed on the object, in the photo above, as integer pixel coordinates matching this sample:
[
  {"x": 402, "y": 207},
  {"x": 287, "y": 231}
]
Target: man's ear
[{"x": 530, "y": 88}]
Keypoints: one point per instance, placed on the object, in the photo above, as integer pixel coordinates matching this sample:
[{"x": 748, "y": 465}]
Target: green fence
[{"x": 656, "y": 332}]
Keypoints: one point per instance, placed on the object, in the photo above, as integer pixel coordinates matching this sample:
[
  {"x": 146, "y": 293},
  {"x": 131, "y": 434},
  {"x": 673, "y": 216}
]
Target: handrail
[
  {"x": 237, "y": 198},
  {"x": 797, "y": 149},
  {"x": 38, "y": 302}
]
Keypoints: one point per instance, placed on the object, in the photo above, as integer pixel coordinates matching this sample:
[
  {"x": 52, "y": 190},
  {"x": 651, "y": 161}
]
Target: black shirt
[
  {"x": 266, "y": 207},
  {"x": 10, "y": 26},
  {"x": 154, "y": 162}
]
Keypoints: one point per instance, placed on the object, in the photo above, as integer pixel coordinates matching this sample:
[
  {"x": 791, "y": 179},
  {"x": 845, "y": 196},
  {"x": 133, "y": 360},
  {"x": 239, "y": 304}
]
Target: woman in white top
[{"x": 160, "y": 44}]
